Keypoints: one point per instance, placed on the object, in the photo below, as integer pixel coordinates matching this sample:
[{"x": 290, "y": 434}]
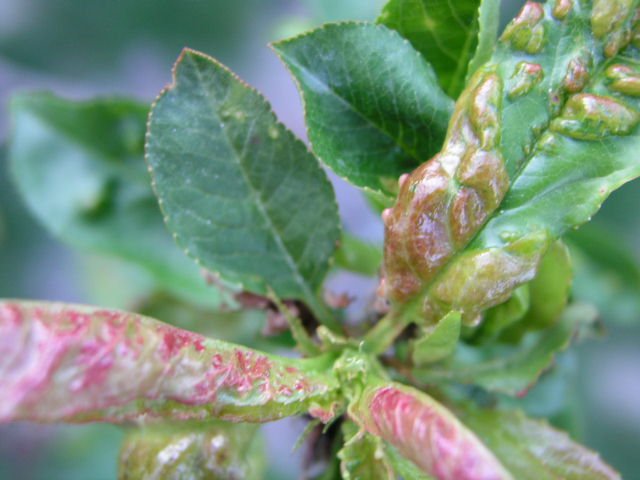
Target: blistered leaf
[
  {"x": 542, "y": 134},
  {"x": 373, "y": 107},
  {"x": 79, "y": 364},
  {"x": 425, "y": 432},
  {"x": 241, "y": 194},
  {"x": 512, "y": 369},
  {"x": 80, "y": 168},
  {"x": 531, "y": 449},
  {"x": 212, "y": 452},
  {"x": 445, "y": 33}
]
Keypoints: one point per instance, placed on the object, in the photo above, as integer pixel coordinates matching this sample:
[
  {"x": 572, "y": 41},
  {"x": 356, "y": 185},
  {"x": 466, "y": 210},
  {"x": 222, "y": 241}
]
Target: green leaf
[
  {"x": 531, "y": 449},
  {"x": 548, "y": 292},
  {"x": 444, "y": 32},
  {"x": 502, "y": 316},
  {"x": 80, "y": 168},
  {"x": 543, "y": 133},
  {"x": 488, "y": 26},
  {"x": 508, "y": 369},
  {"x": 403, "y": 467},
  {"x": 219, "y": 450},
  {"x": 358, "y": 256},
  {"x": 373, "y": 107},
  {"x": 363, "y": 456},
  {"x": 80, "y": 364},
  {"x": 607, "y": 274},
  {"x": 437, "y": 341},
  {"x": 241, "y": 194}
]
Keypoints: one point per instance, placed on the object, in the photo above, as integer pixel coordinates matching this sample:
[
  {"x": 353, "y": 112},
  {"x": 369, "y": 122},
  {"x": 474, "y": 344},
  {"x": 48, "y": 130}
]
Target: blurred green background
[{"x": 83, "y": 48}]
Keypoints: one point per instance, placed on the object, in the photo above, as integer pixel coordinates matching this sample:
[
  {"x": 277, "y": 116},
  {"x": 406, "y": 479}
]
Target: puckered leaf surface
[
  {"x": 426, "y": 433},
  {"x": 80, "y": 168},
  {"x": 540, "y": 137},
  {"x": 373, "y": 106},
  {"x": 241, "y": 194},
  {"x": 79, "y": 364}
]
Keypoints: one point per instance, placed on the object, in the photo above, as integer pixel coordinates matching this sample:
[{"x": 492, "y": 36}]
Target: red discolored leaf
[
  {"x": 426, "y": 433},
  {"x": 79, "y": 364}
]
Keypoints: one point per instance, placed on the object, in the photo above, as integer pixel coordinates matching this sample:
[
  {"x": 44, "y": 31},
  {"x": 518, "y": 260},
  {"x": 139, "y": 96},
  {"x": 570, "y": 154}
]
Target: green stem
[{"x": 385, "y": 332}]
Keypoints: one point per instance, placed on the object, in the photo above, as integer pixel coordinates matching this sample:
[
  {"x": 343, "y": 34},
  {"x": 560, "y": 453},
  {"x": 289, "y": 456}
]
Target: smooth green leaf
[
  {"x": 508, "y": 369},
  {"x": 488, "y": 26},
  {"x": 241, "y": 194},
  {"x": 607, "y": 274},
  {"x": 445, "y": 32},
  {"x": 543, "y": 133},
  {"x": 548, "y": 292},
  {"x": 80, "y": 169},
  {"x": 81, "y": 364},
  {"x": 437, "y": 341},
  {"x": 531, "y": 449},
  {"x": 373, "y": 107},
  {"x": 502, "y": 316},
  {"x": 356, "y": 255},
  {"x": 216, "y": 451}
]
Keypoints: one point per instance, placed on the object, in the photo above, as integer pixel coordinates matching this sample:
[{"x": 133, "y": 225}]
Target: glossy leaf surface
[
  {"x": 531, "y": 449},
  {"x": 444, "y": 32},
  {"x": 79, "y": 364},
  {"x": 80, "y": 169},
  {"x": 373, "y": 106},
  {"x": 241, "y": 194},
  {"x": 520, "y": 165}
]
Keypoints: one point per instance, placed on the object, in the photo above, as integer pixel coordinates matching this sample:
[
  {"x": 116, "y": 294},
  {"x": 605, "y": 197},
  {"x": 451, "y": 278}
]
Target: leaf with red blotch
[
  {"x": 426, "y": 433},
  {"x": 79, "y": 364}
]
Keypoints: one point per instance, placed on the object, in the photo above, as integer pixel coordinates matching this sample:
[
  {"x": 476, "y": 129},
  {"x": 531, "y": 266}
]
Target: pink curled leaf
[
  {"x": 79, "y": 364},
  {"x": 426, "y": 433}
]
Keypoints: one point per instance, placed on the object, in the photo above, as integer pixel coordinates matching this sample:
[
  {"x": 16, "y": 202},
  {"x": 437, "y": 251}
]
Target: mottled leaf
[
  {"x": 508, "y": 369},
  {"x": 540, "y": 137},
  {"x": 531, "y": 449},
  {"x": 79, "y": 364},
  {"x": 241, "y": 194},
  {"x": 373, "y": 107},
  {"x": 218, "y": 451},
  {"x": 445, "y": 32},
  {"x": 425, "y": 432},
  {"x": 80, "y": 169}
]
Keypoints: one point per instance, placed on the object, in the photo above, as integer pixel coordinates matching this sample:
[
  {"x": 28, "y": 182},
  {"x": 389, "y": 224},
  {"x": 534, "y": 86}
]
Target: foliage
[{"x": 528, "y": 134}]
